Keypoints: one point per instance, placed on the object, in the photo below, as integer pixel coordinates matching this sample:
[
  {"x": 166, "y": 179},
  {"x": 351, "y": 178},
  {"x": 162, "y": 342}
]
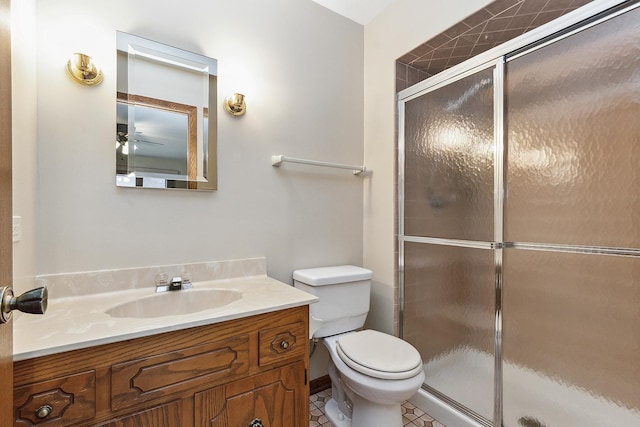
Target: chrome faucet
[{"x": 176, "y": 284}]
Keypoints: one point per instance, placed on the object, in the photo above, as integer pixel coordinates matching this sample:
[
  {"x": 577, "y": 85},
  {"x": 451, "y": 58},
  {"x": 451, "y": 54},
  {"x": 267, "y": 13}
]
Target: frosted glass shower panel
[
  {"x": 449, "y": 161},
  {"x": 571, "y": 339},
  {"x": 449, "y": 317},
  {"x": 573, "y": 129}
]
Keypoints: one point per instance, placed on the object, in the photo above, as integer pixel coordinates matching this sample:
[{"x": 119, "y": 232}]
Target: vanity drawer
[
  {"x": 153, "y": 377},
  {"x": 56, "y": 402},
  {"x": 282, "y": 342}
]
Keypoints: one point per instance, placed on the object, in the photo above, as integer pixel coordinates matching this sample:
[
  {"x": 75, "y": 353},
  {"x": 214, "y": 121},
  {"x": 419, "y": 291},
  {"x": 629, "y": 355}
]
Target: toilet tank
[{"x": 343, "y": 293}]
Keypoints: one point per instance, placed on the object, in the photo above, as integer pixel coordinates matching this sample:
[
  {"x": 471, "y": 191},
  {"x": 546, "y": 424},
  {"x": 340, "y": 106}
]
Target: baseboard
[{"x": 319, "y": 384}]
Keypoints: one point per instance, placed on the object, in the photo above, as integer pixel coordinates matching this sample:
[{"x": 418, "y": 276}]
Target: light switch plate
[{"x": 17, "y": 228}]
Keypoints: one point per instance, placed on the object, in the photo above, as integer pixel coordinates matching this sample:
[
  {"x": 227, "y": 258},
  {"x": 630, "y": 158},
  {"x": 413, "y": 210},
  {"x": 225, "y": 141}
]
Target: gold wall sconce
[
  {"x": 83, "y": 70},
  {"x": 235, "y": 104}
]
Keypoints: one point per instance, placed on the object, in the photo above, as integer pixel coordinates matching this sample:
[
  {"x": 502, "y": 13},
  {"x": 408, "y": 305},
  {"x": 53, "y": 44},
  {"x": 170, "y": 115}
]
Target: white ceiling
[{"x": 360, "y": 11}]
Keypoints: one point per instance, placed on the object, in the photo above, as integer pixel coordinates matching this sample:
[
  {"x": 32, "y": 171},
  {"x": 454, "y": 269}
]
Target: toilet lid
[{"x": 379, "y": 355}]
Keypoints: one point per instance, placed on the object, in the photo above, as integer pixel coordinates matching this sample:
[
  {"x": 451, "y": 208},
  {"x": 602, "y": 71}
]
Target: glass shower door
[
  {"x": 447, "y": 229},
  {"x": 571, "y": 341}
]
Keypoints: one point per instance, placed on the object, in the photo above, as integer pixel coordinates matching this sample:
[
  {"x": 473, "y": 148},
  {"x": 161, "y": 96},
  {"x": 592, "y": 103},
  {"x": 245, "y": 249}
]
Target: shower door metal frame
[
  {"x": 496, "y": 245},
  {"x": 498, "y": 231},
  {"x": 585, "y": 17}
]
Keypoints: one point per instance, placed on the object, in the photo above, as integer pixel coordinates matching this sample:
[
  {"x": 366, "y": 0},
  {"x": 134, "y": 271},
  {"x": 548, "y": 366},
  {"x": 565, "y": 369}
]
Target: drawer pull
[
  {"x": 257, "y": 422},
  {"x": 284, "y": 344},
  {"x": 43, "y": 411}
]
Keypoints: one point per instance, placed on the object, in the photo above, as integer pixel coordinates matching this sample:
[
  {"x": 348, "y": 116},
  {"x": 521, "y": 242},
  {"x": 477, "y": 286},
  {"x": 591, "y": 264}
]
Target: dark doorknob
[{"x": 34, "y": 301}]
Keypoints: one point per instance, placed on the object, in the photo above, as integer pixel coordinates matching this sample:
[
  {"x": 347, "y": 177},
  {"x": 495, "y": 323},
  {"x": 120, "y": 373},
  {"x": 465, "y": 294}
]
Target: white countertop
[{"x": 78, "y": 322}]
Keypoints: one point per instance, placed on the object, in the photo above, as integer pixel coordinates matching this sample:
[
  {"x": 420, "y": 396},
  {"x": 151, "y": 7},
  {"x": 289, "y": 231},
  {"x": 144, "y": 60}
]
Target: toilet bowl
[
  {"x": 371, "y": 372},
  {"x": 393, "y": 374}
]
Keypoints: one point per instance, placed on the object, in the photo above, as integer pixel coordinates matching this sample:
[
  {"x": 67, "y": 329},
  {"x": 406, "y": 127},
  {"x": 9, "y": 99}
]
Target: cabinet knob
[
  {"x": 284, "y": 344},
  {"x": 257, "y": 422},
  {"x": 43, "y": 411}
]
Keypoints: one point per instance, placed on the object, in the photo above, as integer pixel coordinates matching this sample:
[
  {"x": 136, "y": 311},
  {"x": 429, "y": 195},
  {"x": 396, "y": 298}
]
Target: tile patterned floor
[{"x": 411, "y": 415}]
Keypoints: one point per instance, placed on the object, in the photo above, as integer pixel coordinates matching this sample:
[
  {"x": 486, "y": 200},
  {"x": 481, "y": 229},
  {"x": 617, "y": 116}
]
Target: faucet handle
[
  {"x": 186, "y": 279},
  {"x": 186, "y": 275},
  {"x": 162, "y": 279},
  {"x": 176, "y": 284}
]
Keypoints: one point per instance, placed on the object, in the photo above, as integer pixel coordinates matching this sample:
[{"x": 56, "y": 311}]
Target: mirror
[{"x": 165, "y": 135}]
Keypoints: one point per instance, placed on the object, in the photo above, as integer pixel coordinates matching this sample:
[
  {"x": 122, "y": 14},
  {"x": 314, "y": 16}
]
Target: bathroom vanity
[{"x": 245, "y": 364}]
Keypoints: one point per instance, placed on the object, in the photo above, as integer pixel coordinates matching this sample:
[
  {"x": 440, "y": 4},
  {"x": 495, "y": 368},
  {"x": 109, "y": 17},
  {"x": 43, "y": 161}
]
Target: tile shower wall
[
  {"x": 490, "y": 26},
  {"x": 407, "y": 75}
]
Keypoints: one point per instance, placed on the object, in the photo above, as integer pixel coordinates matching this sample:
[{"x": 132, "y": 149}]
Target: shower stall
[{"x": 519, "y": 228}]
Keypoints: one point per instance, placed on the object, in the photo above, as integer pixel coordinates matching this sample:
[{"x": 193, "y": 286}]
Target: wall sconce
[
  {"x": 235, "y": 104},
  {"x": 83, "y": 70}
]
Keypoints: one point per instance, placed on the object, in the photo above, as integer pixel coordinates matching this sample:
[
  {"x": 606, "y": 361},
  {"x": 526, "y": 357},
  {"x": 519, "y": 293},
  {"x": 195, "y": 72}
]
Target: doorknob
[{"x": 33, "y": 301}]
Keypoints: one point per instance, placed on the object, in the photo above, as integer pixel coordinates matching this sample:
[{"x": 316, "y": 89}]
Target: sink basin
[{"x": 175, "y": 302}]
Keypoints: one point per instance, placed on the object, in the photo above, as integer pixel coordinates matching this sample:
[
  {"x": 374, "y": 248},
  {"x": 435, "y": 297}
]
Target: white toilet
[{"x": 372, "y": 373}]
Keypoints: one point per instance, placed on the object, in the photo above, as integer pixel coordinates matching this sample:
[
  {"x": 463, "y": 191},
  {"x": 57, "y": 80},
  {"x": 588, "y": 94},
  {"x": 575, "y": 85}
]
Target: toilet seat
[{"x": 379, "y": 355}]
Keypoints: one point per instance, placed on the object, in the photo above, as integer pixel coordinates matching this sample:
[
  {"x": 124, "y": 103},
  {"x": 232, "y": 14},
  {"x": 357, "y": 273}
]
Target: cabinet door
[
  {"x": 276, "y": 398},
  {"x": 168, "y": 415}
]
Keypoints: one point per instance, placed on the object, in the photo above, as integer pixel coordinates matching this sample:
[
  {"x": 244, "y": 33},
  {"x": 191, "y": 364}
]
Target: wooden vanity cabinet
[
  {"x": 249, "y": 372},
  {"x": 268, "y": 399}
]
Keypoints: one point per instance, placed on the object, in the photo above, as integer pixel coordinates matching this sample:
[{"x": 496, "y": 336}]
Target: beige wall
[
  {"x": 295, "y": 85},
  {"x": 25, "y": 175},
  {"x": 400, "y": 28},
  {"x": 300, "y": 67}
]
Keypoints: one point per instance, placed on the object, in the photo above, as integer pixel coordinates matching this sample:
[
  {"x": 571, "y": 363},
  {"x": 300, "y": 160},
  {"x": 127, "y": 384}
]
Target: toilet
[{"x": 371, "y": 372}]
